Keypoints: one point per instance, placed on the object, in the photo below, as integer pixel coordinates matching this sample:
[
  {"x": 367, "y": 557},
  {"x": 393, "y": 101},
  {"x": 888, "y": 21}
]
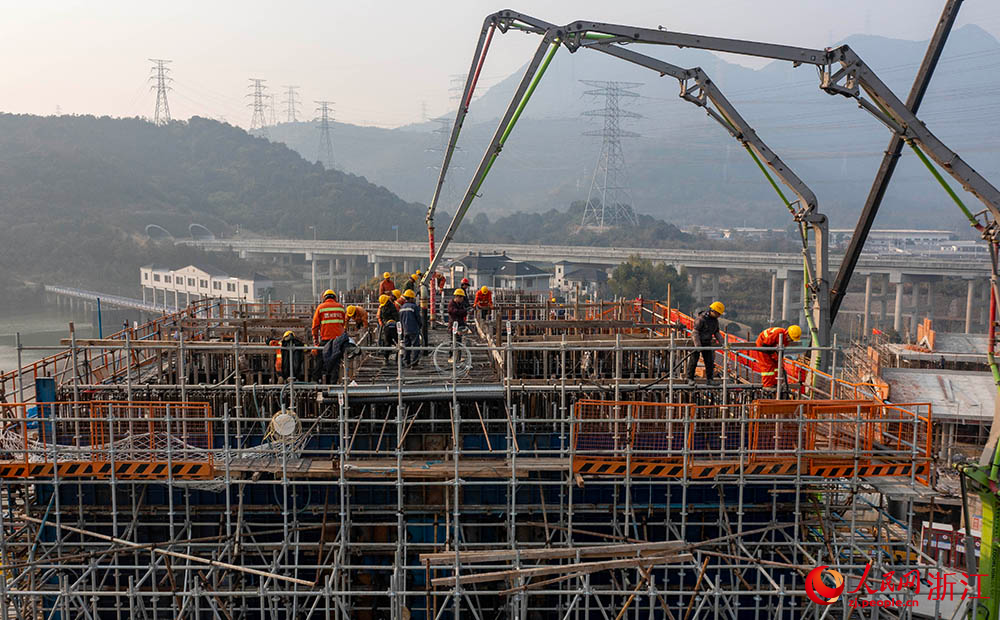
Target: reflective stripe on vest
[{"x": 769, "y": 373}]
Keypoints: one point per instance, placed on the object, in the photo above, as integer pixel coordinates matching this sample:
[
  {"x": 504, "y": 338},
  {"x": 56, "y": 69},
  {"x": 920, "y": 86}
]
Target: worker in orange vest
[
  {"x": 767, "y": 360},
  {"x": 387, "y": 284},
  {"x": 484, "y": 301},
  {"x": 357, "y": 317},
  {"x": 328, "y": 320}
]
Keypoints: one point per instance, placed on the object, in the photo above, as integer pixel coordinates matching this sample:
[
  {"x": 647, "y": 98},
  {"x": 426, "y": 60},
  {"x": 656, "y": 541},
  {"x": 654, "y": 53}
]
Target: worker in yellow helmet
[
  {"x": 357, "y": 317},
  {"x": 386, "y": 285},
  {"x": 484, "y": 302},
  {"x": 767, "y": 358},
  {"x": 704, "y": 330},
  {"x": 387, "y": 315},
  {"x": 289, "y": 359}
]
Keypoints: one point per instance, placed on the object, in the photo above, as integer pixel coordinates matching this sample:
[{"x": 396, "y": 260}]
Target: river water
[{"x": 42, "y": 328}]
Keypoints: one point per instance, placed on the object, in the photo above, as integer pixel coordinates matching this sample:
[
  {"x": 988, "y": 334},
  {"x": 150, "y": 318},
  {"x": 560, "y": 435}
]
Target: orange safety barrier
[
  {"x": 105, "y": 439},
  {"x": 832, "y": 439}
]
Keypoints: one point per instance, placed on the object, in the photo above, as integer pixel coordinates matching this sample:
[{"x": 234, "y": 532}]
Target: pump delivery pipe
[{"x": 532, "y": 75}]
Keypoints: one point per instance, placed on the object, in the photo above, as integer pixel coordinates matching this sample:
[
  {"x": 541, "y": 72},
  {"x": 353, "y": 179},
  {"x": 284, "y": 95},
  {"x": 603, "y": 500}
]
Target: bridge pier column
[
  {"x": 177, "y": 299},
  {"x": 774, "y": 298},
  {"x": 930, "y": 299},
  {"x": 916, "y": 310},
  {"x": 868, "y": 306},
  {"x": 786, "y": 294},
  {"x": 313, "y": 278},
  {"x": 897, "y": 311},
  {"x": 970, "y": 294},
  {"x": 143, "y": 294},
  {"x": 696, "y": 280},
  {"x": 715, "y": 286},
  {"x": 883, "y": 300}
]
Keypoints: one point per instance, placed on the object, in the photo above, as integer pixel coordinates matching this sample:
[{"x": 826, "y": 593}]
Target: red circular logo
[{"x": 820, "y": 593}]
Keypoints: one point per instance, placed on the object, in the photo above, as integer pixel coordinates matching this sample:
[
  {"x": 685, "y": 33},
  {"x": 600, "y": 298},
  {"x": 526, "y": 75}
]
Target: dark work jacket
[
  {"x": 388, "y": 312},
  {"x": 409, "y": 317},
  {"x": 457, "y": 311},
  {"x": 705, "y": 326}
]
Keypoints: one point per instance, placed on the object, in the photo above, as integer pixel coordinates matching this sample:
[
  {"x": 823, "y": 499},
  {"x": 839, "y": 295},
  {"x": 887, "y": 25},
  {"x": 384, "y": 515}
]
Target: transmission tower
[
  {"x": 161, "y": 72},
  {"x": 609, "y": 202},
  {"x": 325, "y": 154},
  {"x": 292, "y": 104},
  {"x": 258, "y": 103}
]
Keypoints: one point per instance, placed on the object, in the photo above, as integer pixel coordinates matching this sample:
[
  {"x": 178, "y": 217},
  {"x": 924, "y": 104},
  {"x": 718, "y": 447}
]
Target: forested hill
[{"x": 76, "y": 194}]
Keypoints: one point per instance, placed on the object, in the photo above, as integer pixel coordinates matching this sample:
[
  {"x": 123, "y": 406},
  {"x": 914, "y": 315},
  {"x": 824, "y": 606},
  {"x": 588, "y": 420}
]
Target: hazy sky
[{"x": 380, "y": 62}]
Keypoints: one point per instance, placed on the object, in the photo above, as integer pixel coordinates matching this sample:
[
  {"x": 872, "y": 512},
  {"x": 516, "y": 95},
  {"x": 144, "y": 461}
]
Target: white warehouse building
[{"x": 179, "y": 287}]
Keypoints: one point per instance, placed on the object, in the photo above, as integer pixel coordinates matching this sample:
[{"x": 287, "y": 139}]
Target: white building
[
  {"x": 588, "y": 279},
  {"x": 179, "y": 287}
]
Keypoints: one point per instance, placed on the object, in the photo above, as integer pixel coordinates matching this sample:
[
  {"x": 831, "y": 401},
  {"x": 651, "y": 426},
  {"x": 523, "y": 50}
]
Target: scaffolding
[{"x": 556, "y": 466}]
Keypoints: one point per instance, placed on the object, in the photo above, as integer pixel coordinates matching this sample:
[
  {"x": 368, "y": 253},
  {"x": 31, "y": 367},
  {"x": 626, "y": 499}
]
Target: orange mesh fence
[
  {"x": 104, "y": 438},
  {"x": 773, "y": 437}
]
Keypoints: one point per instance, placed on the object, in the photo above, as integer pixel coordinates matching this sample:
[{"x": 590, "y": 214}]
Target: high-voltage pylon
[
  {"x": 325, "y": 151},
  {"x": 258, "y": 103},
  {"x": 292, "y": 105},
  {"x": 161, "y": 75},
  {"x": 609, "y": 201}
]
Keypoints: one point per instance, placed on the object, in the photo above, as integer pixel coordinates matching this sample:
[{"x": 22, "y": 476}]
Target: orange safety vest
[
  {"x": 360, "y": 318},
  {"x": 484, "y": 300},
  {"x": 328, "y": 321},
  {"x": 277, "y": 354},
  {"x": 770, "y": 336},
  {"x": 386, "y": 287}
]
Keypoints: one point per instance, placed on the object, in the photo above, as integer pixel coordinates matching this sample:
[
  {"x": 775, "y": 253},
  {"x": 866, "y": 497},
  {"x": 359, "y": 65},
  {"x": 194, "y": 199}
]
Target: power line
[
  {"x": 258, "y": 122},
  {"x": 274, "y": 112},
  {"x": 325, "y": 151},
  {"x": 162, "y": 114},
  {"x": 292, "y": 106},
  {"x": 609, "y": 201}
]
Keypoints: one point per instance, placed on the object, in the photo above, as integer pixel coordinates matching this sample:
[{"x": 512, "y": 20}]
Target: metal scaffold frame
[{"x": 450, "y": 497}]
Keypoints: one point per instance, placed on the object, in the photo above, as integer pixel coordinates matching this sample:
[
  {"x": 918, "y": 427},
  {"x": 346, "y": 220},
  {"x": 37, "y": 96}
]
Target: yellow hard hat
[
  {"x": 415, "y": 276},
  {"x": 351, "y": 310},
  {"x": 484, "y": 290},
  {"x": 395, "y": 292},
  {"x": 718, "y": 306},
  {"x": 459, "y": 292},
  {"x": 420, "y": 273},
  {"x": 329, "y": 293},
  {"x": 794, "y": 332},
  {"x": 386, "y": 275},
  {"x": 288, "y": 333},
  {"x": 383, "y": 300},
  {"x": 409, "y": 294}
]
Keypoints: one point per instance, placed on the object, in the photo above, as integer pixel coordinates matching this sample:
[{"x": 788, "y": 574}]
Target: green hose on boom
[{"x": 804, "y": 233}]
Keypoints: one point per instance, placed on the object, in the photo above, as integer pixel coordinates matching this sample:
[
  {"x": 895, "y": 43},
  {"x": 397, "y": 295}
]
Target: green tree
[{"x": 639, "y": 276}]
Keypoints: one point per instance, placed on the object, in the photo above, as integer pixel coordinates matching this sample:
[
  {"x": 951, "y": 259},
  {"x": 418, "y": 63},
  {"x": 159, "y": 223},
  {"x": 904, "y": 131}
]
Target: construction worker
[
  {"x": 328, "y": 325},
  {"x": 770, "y": 338},
  {"x": 290, "y": 358},
  {"x": 411, "y": 284},
  {"x": 703, "y": 332},
  {"x": 397, "y": 298},
  {"x": 464, "y": 285},
  {"x": 409, "y": 318},
  {"x": 328, "y": 320},
  {"x": 458, "y": 309},
  {"x": 387, "y": 284},
  {"x": 357, "y": 317},
  {"x": 458, "y": 312},
  {"x": 484, "y": 301},
  {"x": 387, "y": 317}
]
